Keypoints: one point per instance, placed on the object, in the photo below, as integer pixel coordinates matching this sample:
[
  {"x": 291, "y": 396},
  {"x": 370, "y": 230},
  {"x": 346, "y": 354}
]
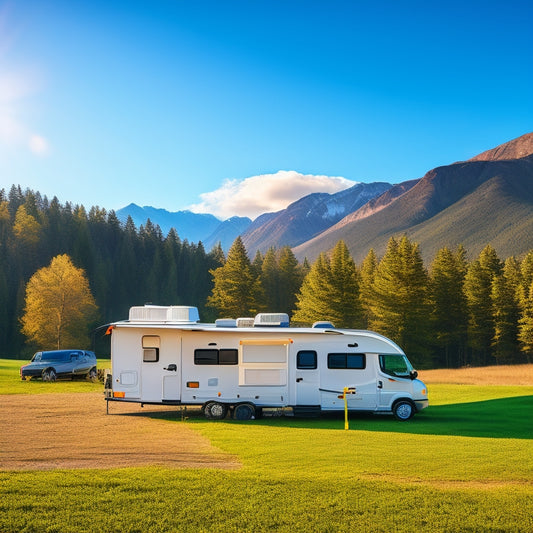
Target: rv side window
[
  {"x": 306, "y": 360},
  {"x": 215, "y": 357},
  {"x": 151, "y": 355},
  {"x": 151, "y": 345},
  {"x": 228, "y": 357},
  {"x": 206, "y": 357},
  {"x": 352, "y": 361}
]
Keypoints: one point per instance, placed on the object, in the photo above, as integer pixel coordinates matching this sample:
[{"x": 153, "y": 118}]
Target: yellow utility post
[{"x": 345, "y": 391}]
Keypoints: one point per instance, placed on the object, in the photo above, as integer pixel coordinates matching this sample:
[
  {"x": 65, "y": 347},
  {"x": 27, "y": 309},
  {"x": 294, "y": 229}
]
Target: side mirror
[{"x": 413, "y": 374}]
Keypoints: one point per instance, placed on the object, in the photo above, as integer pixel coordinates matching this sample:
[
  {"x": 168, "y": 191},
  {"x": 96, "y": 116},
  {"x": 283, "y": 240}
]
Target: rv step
[{"x": 306, "y": 410}]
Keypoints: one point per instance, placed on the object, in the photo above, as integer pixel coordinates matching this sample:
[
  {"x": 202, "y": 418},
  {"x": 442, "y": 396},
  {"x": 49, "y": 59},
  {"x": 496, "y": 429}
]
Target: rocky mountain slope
[
  {"x": 308, "y": 217},
  {"x": 488, "y": 199}
]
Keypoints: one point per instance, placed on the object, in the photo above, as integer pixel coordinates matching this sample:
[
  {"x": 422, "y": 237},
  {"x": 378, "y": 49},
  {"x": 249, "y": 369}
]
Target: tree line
[
  {"x": 125, "y": 266},
  {"x": 453, "y": 313}
]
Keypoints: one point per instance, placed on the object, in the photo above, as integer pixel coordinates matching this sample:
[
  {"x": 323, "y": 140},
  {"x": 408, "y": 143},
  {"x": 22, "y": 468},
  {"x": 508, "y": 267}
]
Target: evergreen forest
[{"x": 454, "y": 312}]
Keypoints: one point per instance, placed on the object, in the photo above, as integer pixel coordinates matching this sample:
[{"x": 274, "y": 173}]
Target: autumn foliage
[{"x": 59, "y": 306}]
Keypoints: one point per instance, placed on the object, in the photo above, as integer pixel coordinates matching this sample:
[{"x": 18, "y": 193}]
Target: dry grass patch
[
  {"x": 487, "y": 375},
  {"x": 58, "y": 431}
]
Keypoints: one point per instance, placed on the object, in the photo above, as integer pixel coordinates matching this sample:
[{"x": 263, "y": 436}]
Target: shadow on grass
[{"x": 500, "y": 418}]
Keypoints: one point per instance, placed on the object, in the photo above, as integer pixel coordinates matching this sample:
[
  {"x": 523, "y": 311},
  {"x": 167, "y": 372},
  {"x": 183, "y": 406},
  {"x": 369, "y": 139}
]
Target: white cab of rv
[{"x": 164, "y": 355}]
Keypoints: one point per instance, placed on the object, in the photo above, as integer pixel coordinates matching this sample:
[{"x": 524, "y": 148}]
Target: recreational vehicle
[{"x": 164, "y": 355}]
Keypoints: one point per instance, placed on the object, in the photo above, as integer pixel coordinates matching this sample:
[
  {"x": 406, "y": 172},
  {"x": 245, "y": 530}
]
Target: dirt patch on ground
[{"x": 65, "y": 431}]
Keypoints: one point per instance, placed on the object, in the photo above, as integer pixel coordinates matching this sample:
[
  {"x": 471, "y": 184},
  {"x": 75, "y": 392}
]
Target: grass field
[
  {"x": 464, "y": 464},
  {"x": 10, "y": 382}
]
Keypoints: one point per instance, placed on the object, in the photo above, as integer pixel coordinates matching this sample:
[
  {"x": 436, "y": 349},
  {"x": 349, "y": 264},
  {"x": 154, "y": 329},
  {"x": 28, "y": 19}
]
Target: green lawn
[
  {"x": 11, "y": 383},
  {"x": 464, "y": 464}
]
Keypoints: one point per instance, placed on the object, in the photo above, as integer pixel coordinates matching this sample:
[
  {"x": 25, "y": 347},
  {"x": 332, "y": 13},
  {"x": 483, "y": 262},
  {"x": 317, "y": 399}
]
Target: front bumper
[
  {"x": 31, "y": 373},
  {"x": 421, "y": 404}
]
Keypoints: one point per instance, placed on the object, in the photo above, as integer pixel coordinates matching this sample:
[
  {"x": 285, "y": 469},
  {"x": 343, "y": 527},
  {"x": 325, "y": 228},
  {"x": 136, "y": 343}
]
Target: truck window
[
  {"x": 395, "y": 365},
  {"x": 351, "y": 361},
  {"x": 306, "y": 360}
]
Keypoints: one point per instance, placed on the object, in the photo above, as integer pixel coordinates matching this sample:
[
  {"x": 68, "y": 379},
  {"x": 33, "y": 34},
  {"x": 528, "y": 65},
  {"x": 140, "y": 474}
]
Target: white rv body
[{"x": 163, "y": 355}]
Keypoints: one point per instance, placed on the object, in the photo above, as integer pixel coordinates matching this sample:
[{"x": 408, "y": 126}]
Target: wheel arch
[{"x": 397, "y": 404}]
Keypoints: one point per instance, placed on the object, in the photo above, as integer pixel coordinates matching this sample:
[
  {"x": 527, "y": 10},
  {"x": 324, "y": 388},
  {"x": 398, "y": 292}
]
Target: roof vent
[
  {"x": 324, "y": 325},
  {"x": 245, "y": 322},
  {"x": 272, "y": 320},
  {"x": 226, "y": 323}
]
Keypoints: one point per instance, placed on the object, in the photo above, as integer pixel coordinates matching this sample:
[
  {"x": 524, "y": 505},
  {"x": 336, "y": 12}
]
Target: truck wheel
[
  {"x": 403, "y": 410},
  {"x": 92, "y": 375},
  {"x": 244, "y": 411},
  {"x": 216, "y": 410},
  {"x": 49, "y": 375}
]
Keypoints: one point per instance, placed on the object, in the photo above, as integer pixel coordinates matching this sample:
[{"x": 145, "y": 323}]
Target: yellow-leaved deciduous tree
[
  {"x": 59, "y": 306},
  {"x": 26, "y": 227}
]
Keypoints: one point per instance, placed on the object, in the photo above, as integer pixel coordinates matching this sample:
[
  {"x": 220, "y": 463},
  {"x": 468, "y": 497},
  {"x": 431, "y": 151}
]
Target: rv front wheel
[
  {"x": 244, "y": 411},
  {"x": 403, "y": 410},
  {"x": 216, "y": 411}
]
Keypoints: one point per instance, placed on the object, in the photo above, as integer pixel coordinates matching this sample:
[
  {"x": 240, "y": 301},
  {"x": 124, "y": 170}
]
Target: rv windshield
[{"x": 395, "y": 365}]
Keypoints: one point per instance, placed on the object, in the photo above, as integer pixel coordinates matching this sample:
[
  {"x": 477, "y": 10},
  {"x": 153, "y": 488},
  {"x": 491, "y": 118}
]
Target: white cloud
[
  {"x": 266, "y": 193},
  {"x": 38, "y": 145}
]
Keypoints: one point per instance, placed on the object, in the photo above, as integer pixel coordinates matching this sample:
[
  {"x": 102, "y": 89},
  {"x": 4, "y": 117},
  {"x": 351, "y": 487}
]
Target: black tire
[
  {"x": 92, "y": 375},
  {"x": 49, "y": 375},
  {"x": 244, "y": 411},
  {"x": 216, "y": 410},
  {"x": 403, "y": 410}
]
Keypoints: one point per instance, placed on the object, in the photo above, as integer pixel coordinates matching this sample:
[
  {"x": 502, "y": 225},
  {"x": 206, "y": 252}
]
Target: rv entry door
[
  {"x": 161, "y": 366},
  {"x": 307, "y": 378}
]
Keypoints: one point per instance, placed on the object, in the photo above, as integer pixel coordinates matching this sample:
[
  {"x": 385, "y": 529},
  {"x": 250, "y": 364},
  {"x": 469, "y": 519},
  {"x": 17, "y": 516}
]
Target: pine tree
[
  {"x": 506, "y": 314},
  {"x": 526, "y": 277},
  {"x": 290, "y": 279},
  {"x": 400, "y": 308},
  {"x": 313, "y": 299},
  {"x": 344, "y": 301},
  {"x": 449, "y": 313},
  {"x": 478, "y": 290},
  {"x": 367, "y": 274},
  {"x": 526, "y": 325},
  {"x": 270, "y": 281},
  {"x": 235, "y": 288},
  {"x": 257, "y": 264}
]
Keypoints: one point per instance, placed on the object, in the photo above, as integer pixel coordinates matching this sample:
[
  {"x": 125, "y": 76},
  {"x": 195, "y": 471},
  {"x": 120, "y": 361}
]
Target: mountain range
[{"x": 487, "y": 199}]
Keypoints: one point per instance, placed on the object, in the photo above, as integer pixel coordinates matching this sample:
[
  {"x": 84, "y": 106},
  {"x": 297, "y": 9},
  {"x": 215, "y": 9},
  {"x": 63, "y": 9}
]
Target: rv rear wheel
[
  {"x": 216, "y": 410},
  {"x": 403, "y": 410},
  {"x": 244, "y": 411}
]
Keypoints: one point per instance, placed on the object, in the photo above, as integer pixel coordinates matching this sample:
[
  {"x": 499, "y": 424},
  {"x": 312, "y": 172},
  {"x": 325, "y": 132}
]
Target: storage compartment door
[{"x": 263, "y": 363}]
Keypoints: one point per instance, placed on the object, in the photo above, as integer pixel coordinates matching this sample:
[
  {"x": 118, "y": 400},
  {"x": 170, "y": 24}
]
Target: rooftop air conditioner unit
[{"x": 280, "y": 320}]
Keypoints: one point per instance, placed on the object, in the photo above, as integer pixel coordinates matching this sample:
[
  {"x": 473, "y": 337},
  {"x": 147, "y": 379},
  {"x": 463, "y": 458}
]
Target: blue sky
[{"x": 239, "y": 107}]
